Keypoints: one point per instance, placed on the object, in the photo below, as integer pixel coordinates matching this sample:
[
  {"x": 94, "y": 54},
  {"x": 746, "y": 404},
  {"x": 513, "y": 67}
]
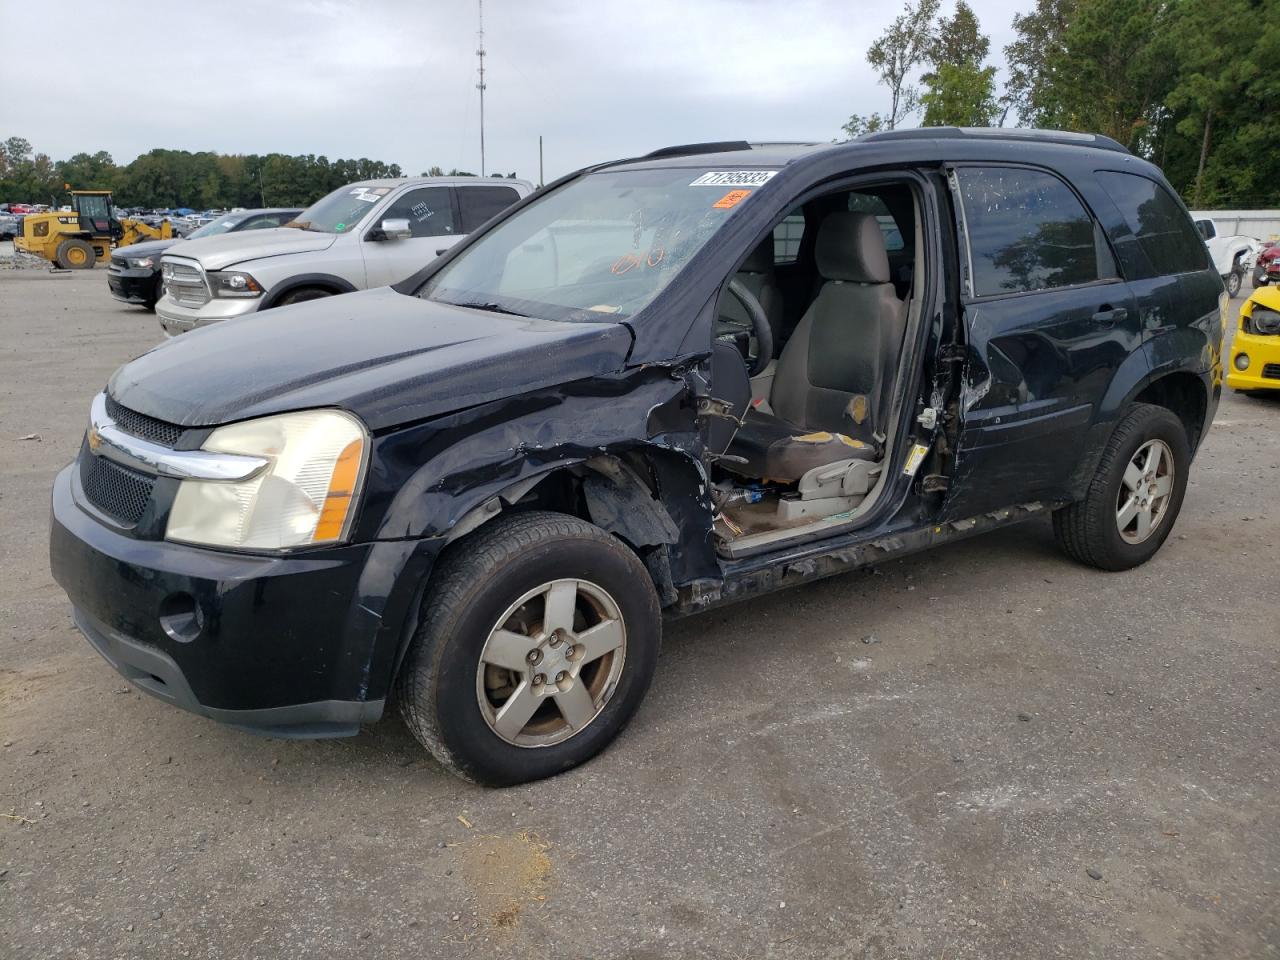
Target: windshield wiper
[{"x": 491, "y": 307}]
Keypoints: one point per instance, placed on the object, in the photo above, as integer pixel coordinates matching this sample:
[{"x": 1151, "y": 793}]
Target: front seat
[{"x": 830, "y": 392}]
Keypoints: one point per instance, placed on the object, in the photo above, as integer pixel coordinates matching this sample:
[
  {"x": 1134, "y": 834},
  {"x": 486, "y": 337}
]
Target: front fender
[{"x": 426, "y": 477}]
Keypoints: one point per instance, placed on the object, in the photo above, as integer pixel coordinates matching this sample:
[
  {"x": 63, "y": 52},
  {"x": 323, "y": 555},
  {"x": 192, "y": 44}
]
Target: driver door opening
[{"x": 805, "y": 440}]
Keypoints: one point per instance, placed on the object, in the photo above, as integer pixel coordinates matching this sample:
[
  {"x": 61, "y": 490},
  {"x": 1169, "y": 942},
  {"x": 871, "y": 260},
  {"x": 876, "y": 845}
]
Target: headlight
[
  {"x": 140, "y": 263},
  {"x": 233, "y": 283},
  {"x": 1263, "y": 321},
  {"x": 305, "y": 495}
]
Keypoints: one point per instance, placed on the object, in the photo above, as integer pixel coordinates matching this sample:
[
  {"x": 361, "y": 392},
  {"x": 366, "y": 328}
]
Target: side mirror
[{"x": 395, "y": 230}]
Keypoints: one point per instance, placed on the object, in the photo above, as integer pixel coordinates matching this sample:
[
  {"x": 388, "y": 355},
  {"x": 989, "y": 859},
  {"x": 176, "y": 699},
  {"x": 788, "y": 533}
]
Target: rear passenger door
[
  {"x": 1048, "y": 320},
  {"x": 481, "y": 202}
]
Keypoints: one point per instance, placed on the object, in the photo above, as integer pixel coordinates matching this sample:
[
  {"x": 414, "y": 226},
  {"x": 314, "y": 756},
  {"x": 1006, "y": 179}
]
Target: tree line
[
  {"x": 1190, "y": 85},
  {"x": 167, "y": 179}
]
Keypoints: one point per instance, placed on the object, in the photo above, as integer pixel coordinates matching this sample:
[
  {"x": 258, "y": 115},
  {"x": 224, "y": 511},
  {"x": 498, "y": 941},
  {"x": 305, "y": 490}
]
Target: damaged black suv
[{"x": 656, "y": 386}]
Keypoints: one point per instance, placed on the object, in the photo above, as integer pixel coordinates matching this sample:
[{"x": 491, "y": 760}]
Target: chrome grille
[{"x": 184, "y": 280}]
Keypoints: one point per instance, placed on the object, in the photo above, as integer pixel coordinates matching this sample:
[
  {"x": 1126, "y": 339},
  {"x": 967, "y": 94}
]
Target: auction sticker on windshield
[
  {"x": 734, "y": 178},
  {"x": 731, "y": 199}
]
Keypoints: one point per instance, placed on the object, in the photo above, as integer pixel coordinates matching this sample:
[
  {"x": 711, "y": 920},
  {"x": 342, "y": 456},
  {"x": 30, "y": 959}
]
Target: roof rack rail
[
  {"x": 998, "y": 133},
  {"x": 691, "y": 149}
]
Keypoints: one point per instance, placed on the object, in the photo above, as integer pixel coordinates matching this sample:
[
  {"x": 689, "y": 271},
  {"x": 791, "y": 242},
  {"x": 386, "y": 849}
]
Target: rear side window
[
  {"x": 428, "y": 210},
  {"x": 477, "y": 204},
  {"x": 1027, "y": 231},
  {"x": 1165, "y": 233}
]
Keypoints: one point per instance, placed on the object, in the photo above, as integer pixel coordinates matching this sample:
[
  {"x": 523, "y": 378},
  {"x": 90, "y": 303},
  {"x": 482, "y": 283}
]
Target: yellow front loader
[{"x": 77, "y": 239}]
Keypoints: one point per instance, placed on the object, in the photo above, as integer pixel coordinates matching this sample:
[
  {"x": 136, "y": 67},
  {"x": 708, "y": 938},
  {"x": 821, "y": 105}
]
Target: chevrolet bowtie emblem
[{"x": 95, "y": 439}]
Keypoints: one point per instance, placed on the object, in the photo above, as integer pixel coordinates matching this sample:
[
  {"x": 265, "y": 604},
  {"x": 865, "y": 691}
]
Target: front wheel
[
  {"x": 302, "y": 295},
  {"x": 538, "y": 640},
  {"x": 75, "y": 254},
  {"x": 1135, "y": 495}
]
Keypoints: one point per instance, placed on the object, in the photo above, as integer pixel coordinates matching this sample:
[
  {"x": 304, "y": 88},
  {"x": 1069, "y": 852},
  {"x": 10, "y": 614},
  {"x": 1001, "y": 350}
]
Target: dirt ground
[{"x": 1031, "y": 760}]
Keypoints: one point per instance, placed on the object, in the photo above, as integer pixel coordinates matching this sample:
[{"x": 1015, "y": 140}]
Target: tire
[
  {"x": 76, "y": 254},
  {"x": 1089, "y": 531},
  {"x": 453, "y": 701},
  {"x": 1234, "y": 279},
  {"x": 302, "y": 295}
]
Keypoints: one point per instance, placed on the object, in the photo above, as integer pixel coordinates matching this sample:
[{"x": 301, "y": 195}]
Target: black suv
[{"x": 656, "y": 386}]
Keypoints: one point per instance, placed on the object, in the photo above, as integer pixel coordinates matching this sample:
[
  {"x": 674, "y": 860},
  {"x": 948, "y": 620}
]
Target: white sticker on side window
[{"x": 734, "y": 178}]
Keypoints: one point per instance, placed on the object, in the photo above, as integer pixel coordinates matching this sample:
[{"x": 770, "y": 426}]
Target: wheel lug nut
[
  {"x": 561, "y": 677},
  {"x": 539, "y": 680},
  {"x": 534, "y": 656}
]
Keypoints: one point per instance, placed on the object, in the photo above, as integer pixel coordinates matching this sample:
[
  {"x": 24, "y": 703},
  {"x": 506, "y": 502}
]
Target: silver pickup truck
[{"x": 363, "y": 235}]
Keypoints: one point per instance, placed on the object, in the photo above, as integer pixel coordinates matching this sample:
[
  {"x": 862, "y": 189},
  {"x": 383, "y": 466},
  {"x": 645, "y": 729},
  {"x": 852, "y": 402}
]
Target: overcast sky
[{"x": 394, "y": 80}]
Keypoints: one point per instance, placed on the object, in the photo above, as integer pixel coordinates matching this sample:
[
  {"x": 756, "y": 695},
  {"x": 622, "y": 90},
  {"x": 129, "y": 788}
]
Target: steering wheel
[{"x": 760, "y": 328}]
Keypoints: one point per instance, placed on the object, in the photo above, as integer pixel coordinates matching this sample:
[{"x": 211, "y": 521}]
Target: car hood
[
  {"x": 216, "y": 253},
  {"x": 152, "y": 248},
  {"x": 387, "y": 357}
]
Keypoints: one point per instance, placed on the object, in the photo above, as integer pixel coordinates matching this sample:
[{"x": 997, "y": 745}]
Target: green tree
[
  {"x": 1031, "y": 60},
  {"x": 895, "y": 56},
  {"x": 960, "y": 95},
  {"x": 959, "y": 90}
]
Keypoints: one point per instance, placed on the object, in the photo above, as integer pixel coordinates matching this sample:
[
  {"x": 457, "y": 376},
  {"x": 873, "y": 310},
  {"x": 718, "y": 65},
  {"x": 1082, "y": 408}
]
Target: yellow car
[{"x": 1255, "y": 352}]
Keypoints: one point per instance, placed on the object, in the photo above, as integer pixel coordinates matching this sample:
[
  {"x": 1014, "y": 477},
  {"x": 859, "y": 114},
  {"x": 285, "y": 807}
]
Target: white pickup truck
[{"x": 1232, "y": 255}]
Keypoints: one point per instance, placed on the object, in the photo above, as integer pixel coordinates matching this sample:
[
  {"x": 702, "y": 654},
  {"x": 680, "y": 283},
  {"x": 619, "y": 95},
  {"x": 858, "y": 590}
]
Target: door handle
[{"x": 1109, "y": 316}]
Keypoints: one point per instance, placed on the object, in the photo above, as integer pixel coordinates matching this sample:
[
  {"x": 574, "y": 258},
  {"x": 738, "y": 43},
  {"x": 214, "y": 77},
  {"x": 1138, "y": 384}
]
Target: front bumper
[
  {"x": 1263, "y": 371},
  {"x": 133, "y": 285},
  {"x": 176, "y": 318},
  {"x": 299, "y": 645}
]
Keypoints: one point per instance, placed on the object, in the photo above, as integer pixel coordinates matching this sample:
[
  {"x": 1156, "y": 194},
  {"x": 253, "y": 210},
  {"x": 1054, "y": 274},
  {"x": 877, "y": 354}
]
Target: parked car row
[
  {"x": 366, "y": 234},
  {"x": 661, "y": 385},
  {"x": 134, "y": 273}
]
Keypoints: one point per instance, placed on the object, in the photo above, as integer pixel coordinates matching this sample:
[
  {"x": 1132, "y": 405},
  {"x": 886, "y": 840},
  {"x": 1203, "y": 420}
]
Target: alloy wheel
[
  {"x": 1145, "y": 491},
  {"x": 551, "y": 663}
]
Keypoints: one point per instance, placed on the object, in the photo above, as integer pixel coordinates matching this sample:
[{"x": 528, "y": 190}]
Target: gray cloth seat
[
  {"x": 832, "y": 388},
  {"x": 756, "y": 274}
]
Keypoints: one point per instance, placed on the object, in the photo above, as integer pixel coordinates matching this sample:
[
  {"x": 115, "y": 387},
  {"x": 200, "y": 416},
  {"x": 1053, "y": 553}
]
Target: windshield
[
  {"x": 221, "y": 225},
  {"x": 605, "y": 244},
  {"x": 340, "y": 211}
]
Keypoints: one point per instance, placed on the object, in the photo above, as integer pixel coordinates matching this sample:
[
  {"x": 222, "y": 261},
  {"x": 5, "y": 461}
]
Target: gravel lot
[{"x": 1031, "y": 760}]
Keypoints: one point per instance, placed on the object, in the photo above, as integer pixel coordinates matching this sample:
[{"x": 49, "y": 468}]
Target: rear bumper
[
  {"x": 1263, "y": 370},
  {"x": 299, "y": 645}
]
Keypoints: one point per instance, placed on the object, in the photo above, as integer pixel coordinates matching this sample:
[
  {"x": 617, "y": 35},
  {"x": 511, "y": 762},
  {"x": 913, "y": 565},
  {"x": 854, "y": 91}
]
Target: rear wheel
[
  {"x": 75, "y": 254},
  {"x": 303, "y": 294},
  {"x": 538, "y": 639},
  {"x": 1135, "y": 495},
  {"x": 1234, "y": 280}
]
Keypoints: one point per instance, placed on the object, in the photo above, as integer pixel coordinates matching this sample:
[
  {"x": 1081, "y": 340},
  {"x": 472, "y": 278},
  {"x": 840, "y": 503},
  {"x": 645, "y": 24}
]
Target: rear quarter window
[
  {"x": 1164, "y": 232},
  {"x": 1027, "y": 231}
]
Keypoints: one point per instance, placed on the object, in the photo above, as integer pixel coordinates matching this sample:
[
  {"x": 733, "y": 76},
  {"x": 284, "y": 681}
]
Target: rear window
[
  {"x": 477, "y": 204},
  {"x": 1027, "y": 231},
  {"x": 1164, "y": 232}
]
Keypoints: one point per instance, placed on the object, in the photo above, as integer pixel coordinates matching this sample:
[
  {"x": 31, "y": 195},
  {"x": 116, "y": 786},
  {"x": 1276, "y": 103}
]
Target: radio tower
[{"x": 481, "y": 85}]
